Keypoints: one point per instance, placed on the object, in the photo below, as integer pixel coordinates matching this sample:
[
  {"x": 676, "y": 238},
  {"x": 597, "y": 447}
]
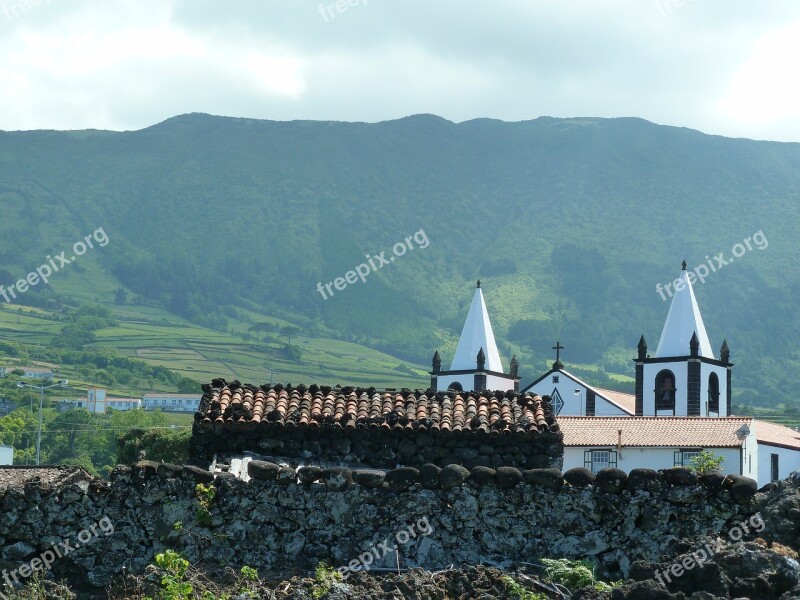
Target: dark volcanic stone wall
[
  {"x": 273, "y": 522},
  {"x": 384, "y": 448}
]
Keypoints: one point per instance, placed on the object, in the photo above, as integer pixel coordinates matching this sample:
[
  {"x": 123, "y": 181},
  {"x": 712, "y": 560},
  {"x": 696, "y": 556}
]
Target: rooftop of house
[
  {"x": 717, "y": 432},
  {"x": 169, "y": 395},
  {"x": 776, "y": 435},
  {"x": 625, "y": 401},
  {"x": 18, "y": 475},
  {"x": 237, "y": 406},
  {"x": 690, "y": 432}
]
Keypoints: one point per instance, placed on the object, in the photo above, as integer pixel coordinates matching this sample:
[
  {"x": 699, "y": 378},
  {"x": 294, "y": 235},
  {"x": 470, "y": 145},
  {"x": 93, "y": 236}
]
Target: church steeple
[
  {"x": 476, "y": 335},
  {"x": 683, "y": 378},
  {"x": 476, "y": 364},
  {"x": 683, "y": 320}
]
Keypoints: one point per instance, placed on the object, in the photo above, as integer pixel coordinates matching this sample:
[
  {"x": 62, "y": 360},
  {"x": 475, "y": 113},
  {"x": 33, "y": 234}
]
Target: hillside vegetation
[{"x": 215, "y": 225}]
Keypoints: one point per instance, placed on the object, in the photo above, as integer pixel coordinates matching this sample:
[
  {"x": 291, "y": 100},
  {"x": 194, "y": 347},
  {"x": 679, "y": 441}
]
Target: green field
[{"x": 161, "y": 339}]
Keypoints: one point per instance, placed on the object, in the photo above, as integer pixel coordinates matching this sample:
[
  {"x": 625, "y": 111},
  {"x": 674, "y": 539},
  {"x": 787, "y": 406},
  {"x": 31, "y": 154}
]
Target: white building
[
  {"x": 171, "y": 402},
  {"x": 98, "y": 402},
  {"x": 572, "y": 397},
  {"x": 27, "y": 372},
  {"x": 681, "y": 405},
  {"x": 6, "y": 455},
  {"x": 757, "y": 449},
  {"x": 658, "y": 442},
  {"x": 476, "y": 365}
]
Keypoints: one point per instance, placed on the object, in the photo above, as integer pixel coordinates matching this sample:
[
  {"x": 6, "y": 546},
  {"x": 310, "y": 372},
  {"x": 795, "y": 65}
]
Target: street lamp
[{"x": 41, "y": 388}]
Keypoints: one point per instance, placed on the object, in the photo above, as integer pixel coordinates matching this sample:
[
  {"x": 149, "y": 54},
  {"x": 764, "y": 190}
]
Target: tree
[
  {"x": 262, "y": 327},
  {"x": 188, "y": 386},
  {"x": 72, "y": 426},
  {"x": 120, "y": 296},
  {"x": 705, "y": 462},
  {"x": 288, "y": 332}
]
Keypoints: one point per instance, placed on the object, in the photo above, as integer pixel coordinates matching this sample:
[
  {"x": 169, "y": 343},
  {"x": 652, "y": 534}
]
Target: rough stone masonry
[{"x": 285, "y": 519}]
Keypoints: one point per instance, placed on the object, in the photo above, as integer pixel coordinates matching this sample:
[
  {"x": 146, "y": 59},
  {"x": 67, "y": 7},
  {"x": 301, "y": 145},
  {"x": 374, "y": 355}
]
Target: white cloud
[{"x": 722, "y": 66}]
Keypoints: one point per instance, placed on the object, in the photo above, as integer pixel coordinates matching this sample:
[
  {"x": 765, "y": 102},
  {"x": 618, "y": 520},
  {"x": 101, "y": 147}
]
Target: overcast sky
[{"x": 728, "y": 67}]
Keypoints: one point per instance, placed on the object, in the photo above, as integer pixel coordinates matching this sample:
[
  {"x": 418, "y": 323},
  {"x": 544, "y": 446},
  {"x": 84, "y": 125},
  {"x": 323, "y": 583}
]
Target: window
[
  {"x": 774, "y": 467},
  {"x": 163, "y": 401},
  {"x": 456, "y": 387},
  {"x": 557, "y": 401},
  {"x": 713, "y": 394},
  {"x": 665, "y": 393},
  {"x": 594, "y": 460},
  {"x": 684, "y": 456}
]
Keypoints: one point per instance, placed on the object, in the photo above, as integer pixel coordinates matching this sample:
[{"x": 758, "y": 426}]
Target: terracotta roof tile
[
  {"x": 235, "y": 405},
  {"x": 626, "y": 402},
  {"x": 672, "y": 432},
  {"x": 776, "y": 435}
]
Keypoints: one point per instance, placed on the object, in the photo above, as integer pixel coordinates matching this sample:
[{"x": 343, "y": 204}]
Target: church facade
[{"x": 681, "y": 403}]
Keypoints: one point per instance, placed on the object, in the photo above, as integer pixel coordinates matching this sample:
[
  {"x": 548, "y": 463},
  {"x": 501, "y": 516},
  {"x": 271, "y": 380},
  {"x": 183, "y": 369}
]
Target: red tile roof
[
  {"x": 776, "y": 435},
  {"x": 626, "y": 402},
  {"x": 705, "y": 432},
  {"x": 237, "y": 406}
]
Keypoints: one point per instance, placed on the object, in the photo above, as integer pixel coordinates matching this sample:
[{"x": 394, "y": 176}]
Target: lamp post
[{"x": 41, "y": 388}]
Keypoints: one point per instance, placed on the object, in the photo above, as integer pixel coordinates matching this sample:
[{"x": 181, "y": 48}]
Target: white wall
[
  {"x": 467, "y": 382},
  {"x": 575, "y": 404},
  {"x": 6, "y": 455},
  {"x": 788, "y": 461},
  {"x": 722, "y": 374},
  {"x": 680, "y": 369},
  {"x": 648, "y": 458}
]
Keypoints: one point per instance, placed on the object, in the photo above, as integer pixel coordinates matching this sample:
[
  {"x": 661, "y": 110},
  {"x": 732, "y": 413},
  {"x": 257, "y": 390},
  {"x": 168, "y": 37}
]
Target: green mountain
[{"x": 570, "y": 224}]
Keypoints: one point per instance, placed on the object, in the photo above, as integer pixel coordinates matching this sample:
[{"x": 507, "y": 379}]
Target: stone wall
[
  {"x": 384, "y": 448},
  {"x": 280, "y": 520}
]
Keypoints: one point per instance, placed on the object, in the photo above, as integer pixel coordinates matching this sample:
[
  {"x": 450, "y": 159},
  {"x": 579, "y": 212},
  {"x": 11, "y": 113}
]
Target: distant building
[
  {"x": 171, "y": 402},
  {"x": 6, "y": 455},
  {"x": 98, "y": 402},
  {"x": 27, "y": 372}
]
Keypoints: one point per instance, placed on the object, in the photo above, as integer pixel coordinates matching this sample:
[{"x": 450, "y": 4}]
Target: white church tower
[
  {"x": 476, "y": 365},
  {"x": 684, "y": 378}
]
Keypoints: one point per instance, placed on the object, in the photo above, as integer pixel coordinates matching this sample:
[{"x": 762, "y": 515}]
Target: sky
[{"x": 726, "y": 67}]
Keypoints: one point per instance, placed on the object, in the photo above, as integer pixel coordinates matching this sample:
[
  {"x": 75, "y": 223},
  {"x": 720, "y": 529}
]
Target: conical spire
[
  {"x": 477, "y": 335},
  {"x": 514, "y": 366},
  {"x": 683, "y": 320},
  {"x": 642, "y": 348},
  {"x": 725, "y": 352},
  {"x": 437, "y": 362},
  {"x": 481, "y": 360}
]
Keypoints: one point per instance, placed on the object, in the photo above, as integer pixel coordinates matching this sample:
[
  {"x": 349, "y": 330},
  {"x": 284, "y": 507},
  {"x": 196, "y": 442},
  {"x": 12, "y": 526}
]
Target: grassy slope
[{"x": 264, "y": 210}]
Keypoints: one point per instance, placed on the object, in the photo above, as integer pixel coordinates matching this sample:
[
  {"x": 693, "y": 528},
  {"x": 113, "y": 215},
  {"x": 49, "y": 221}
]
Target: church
[{"x": 681, "y": 403}]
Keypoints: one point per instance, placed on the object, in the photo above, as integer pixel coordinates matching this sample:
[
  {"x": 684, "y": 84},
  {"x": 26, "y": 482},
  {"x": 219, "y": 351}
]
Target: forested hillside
[{"x": 569, "y": 223}]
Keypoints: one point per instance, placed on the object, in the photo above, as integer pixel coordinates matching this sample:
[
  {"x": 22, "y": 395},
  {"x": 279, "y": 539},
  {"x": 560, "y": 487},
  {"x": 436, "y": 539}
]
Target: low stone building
[{"x": 380, "y": 429}]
